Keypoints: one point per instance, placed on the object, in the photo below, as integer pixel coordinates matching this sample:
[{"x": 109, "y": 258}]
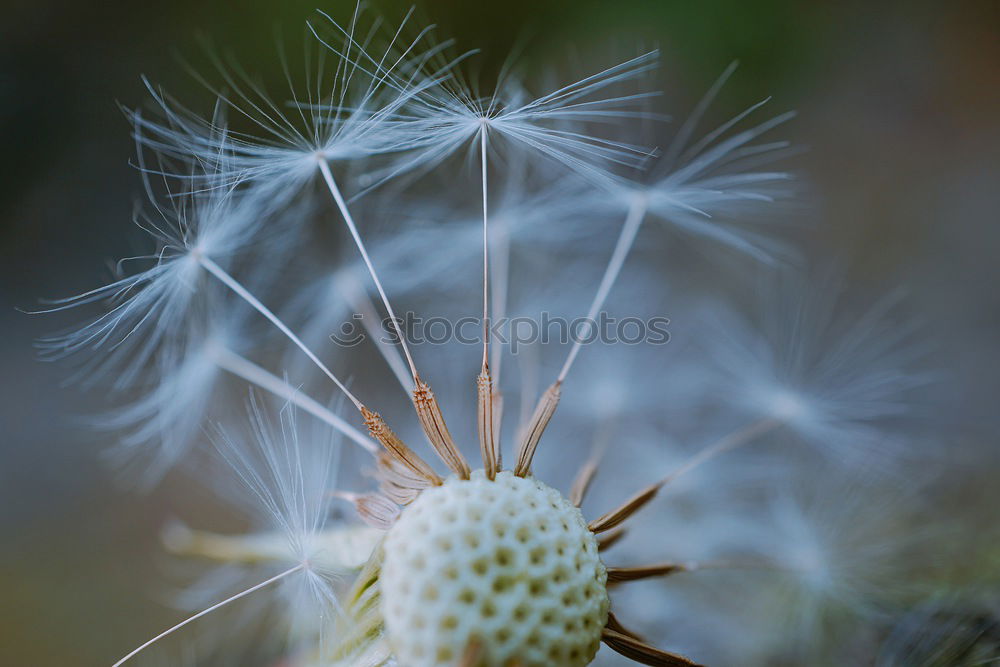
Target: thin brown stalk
[
  {"x": 436, "y": 430},
  {"x": 581, "y": 483},
  {"x": 615, "y": 625},
  {"x": 485, "y": 402},
  {"x": 397, "y": 448},
  {"x": 610, "y": 538},
  {"x": 625, "y": 510},
  {"x": 617, "y": 575},
  {"x": 643, "y": 653},
  {"x": 736, "y": 439},
  {"x": 539, "y": 420}
]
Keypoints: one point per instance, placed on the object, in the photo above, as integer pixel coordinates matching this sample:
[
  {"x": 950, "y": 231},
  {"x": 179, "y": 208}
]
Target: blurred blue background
[{"x": 899, "y": 108}]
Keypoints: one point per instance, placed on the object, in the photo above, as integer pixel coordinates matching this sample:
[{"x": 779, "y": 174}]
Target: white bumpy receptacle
[{"x": 509, "y": 564}]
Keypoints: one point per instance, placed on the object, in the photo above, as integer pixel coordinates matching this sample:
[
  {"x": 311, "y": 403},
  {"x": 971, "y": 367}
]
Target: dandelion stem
[
  {"x": 549, "y": 401},
  {"x": 360, "y": 301},
  {"x": 245, "y": 294},
  {"x": 486, "y": 251},
  {"x": 528, "y": 365},
  {"x": 215, "y": 606},
  {"x": 636, "y": 213},
  {"x": 241, "y": 367},
  {"x": 349, "y": 220},
  {"x": 488, "y": 403},
  {"x": 730, "y": 442}
]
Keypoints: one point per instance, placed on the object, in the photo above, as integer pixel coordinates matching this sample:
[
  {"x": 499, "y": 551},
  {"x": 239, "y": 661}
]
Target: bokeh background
[{"x": 899, "y": 111}]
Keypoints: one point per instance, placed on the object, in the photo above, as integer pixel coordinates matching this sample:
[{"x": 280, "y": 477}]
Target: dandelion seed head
[
  {"x": 491, "y": 566},
  {"x": 508, "y": 563}
]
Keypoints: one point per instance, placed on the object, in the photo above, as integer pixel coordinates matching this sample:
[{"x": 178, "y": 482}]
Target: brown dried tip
[
  {"x": 432, "y": 421},
  {"x": 627, "y": 509},
  {"x": 397, "y": 448},
  {"x": 487, "y": 422},
  {"x": 539, "y": 420},
  {"x": 643, "y": 653},
  {"x": 582, "y": 482},
  {"x": 617, "y": 575}
]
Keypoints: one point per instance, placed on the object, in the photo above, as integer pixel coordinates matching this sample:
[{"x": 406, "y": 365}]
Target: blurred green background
[{"x": 899, "y": 108}]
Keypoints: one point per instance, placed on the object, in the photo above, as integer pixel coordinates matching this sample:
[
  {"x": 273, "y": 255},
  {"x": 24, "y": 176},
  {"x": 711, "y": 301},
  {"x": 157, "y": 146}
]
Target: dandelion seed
[
  {"x": 704, "y": 187},
  {"x": 445, "y": 118},
  {"x": 288, "y": 483},
  {"x": 156, "y": 306},
  {"x": 345, "y": 114}
]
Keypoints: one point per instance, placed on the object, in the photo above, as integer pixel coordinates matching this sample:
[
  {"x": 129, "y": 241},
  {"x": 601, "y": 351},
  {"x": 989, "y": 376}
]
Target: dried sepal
[
  {"x": 533, "y": 433},
  {"x": 641, "y": 652},
  {"x": 364, "y": 593},
  {"x": 617, "y": 575},
  {"x": 374, "y": 509},
  {"x": 391, "y": 469},
  {"x": 487, "y": 422},
  {"x": 398, "y": 494},
  {"x": 360, "y": 640},
  {"x": 628, "y": 508},
  {"x": 436, "y": 430},
  {"x": 397, "y": 448},
  {"x": 398, "y": 482}
]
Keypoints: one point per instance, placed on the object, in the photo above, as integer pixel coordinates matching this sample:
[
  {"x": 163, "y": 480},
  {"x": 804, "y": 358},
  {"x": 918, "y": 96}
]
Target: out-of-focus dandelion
[
  {"x": 937, "y": 634},
  {"x": 838, "y": 384}
]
